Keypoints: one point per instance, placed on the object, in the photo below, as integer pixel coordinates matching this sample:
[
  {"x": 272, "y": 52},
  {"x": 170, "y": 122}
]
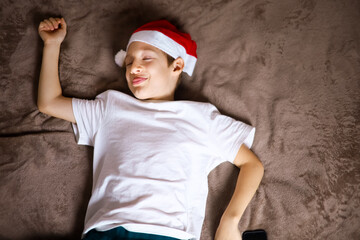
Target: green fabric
[{"x": 121, "y": 233}]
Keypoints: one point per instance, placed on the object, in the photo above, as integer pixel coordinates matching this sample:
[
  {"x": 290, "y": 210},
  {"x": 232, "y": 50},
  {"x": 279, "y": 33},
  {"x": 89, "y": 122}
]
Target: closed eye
[{"x": 144, "y": 59}]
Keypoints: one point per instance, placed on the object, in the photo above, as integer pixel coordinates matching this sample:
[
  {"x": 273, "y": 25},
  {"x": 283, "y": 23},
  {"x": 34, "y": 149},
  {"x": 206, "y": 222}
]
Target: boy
[{"x": 152, "y": 154}]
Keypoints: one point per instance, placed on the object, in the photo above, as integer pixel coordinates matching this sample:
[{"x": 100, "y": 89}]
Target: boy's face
[{"x": 148, "y": 74}]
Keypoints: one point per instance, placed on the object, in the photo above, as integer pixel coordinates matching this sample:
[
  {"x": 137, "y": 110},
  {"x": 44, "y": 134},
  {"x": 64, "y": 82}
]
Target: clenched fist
[{"x": 52, "y": 30}]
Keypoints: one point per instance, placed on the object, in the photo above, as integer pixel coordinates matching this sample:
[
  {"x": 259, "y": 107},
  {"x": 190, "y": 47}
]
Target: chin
[{"x": 141, "y": 96}]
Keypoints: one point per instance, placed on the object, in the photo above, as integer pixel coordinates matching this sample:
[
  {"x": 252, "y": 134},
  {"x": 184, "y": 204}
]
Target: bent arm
[
  {"x": 251, "y": 173},
  {"x": 50, "y": 98},
  {"x": 248, "y": 181}
]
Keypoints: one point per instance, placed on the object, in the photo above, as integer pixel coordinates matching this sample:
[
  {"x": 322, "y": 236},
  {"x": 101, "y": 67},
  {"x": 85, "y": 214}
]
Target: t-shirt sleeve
[
  {"x": 88, "y": 115},
  {"x": 227, "y": 135}
]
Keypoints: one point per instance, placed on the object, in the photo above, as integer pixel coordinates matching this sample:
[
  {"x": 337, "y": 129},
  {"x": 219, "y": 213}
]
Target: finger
[
  {"x": 58, "y": 20},
  {"x": 49, "y": 25},
  {"x": 54, "y": 23},
  {"x": 44, "y": 26},
  {"x": 41, "y": 25},
  {"x": 63, "y": 23}
]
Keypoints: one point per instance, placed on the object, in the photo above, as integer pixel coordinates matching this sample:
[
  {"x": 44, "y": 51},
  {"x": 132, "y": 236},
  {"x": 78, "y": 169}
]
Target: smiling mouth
[{"x": 138, "y": 80}]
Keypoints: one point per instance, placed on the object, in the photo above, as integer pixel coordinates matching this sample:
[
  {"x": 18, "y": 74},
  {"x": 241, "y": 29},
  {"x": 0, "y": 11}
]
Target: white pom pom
[{"x": 120, "y": 58}]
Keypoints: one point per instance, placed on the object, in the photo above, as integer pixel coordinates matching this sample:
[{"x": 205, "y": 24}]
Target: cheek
[
  {"x": 161, "y": 72},
  {"x": 127, "y": 75}
]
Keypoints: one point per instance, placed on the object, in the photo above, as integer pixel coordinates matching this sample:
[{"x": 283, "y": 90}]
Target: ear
[{"x": 178, "y": 65}]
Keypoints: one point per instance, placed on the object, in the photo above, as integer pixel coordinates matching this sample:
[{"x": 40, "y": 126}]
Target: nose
[{"x": 136, "y": 67}]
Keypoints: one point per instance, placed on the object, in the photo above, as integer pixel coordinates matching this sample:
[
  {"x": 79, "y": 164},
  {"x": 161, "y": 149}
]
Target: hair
[{"x": 170, "y": 59}]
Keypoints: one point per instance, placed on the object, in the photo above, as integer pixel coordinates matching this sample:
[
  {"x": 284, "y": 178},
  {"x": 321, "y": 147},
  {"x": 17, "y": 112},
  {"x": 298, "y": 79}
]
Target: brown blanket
[{"x": 289, "y": 68}]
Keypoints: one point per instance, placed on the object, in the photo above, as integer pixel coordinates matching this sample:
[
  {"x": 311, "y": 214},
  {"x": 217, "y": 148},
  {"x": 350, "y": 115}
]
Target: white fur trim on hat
[{"x": 120, "y": 58}]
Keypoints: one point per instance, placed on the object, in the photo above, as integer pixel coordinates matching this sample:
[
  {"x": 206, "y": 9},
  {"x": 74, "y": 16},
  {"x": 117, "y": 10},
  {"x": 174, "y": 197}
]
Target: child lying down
[{"x": 152, "y": 154}]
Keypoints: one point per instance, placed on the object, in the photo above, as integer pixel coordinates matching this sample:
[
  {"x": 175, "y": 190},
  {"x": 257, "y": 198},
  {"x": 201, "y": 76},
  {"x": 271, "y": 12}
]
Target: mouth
[{"x": 138, "y": 80}]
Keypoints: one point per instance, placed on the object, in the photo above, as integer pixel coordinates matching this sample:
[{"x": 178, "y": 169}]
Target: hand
[
  {"x": 50, "y": 32},
  {"x": 228, "y": 229}
]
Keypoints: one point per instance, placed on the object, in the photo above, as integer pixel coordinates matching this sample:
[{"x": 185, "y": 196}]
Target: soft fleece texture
[{"x": 289, "y": 68}]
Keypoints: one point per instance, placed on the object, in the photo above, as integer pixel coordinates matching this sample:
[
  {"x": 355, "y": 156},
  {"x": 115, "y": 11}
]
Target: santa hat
[{"x": 166, "y": 37}]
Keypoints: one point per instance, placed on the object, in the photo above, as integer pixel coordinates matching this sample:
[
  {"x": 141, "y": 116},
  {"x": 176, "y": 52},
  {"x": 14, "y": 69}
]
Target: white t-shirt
[{"x": 151, "y": 161}]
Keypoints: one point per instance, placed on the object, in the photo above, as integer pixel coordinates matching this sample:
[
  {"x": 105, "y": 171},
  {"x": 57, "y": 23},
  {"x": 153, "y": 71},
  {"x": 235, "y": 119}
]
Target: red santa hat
[{"x": 166, "y": 37}]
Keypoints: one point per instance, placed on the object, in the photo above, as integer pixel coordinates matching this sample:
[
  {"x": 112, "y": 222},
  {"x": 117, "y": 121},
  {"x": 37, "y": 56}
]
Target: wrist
[{"x": 52, "y": 44}]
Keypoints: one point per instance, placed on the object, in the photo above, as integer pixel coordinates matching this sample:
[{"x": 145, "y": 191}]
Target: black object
[{"x": 258, "y": 234}]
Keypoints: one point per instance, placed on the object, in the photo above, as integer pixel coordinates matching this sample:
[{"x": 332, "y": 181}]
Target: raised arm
[{"x": 50, "y": 99}]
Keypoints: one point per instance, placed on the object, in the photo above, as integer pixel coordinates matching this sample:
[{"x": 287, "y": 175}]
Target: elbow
[
  {"x": 45, "y": 105},
  {"x": 43, "y": 108},
  {"x": 40, "y": 103},
  {"x": 258, "y": 164},
  {"x": 258, "y": 167},
  {"x": 261, "y": 169}
]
